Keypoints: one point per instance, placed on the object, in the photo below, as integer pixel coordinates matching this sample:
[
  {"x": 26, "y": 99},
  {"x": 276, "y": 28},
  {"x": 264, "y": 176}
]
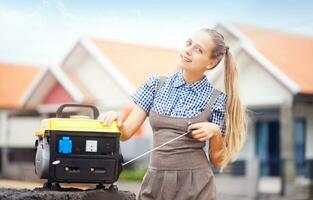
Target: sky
[{"x": 42, "y": 32}]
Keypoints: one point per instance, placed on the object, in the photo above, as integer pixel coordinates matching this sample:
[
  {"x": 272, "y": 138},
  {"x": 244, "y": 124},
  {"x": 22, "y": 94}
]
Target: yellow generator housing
[{"x": 78, "y": 150}]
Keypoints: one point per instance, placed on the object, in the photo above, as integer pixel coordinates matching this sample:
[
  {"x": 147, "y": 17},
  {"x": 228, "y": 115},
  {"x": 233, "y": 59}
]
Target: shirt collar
[{"x": 196, "y": 86}]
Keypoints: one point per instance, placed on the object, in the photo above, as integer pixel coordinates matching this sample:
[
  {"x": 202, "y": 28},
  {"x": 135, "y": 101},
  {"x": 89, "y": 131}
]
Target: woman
[{"x": 186, "y": 101}]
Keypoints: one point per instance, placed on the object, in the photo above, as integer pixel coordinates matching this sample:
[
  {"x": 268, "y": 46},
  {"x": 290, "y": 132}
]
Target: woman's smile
[{"x": 185, "y": 59}]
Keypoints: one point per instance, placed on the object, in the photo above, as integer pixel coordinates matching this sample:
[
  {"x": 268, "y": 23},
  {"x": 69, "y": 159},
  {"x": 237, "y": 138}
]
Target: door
[{"x": 268, "y": 147}]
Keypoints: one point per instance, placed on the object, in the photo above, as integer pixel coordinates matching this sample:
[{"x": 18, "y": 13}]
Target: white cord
[{"x": 154, "y": 149}]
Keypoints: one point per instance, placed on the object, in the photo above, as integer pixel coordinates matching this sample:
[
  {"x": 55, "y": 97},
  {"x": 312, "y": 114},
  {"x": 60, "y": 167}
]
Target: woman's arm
[
  {"x": 216, "y": 144},
  {"x": 134, "y": 120},
  {"x": 212, "y": 133}
]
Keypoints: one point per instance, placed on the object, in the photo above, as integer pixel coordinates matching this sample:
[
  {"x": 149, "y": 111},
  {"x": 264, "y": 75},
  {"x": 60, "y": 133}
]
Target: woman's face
[{"x": 195, "y": 55}]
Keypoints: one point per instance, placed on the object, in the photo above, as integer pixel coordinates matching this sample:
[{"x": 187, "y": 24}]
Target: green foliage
[{"x": 132, "y": 174}]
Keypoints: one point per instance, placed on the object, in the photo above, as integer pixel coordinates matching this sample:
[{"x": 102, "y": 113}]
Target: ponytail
[{"x": 235, "y": 116}]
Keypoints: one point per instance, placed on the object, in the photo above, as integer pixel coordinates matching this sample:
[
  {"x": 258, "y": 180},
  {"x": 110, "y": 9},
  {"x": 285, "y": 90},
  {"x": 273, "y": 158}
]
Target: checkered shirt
[{"x": 178, "y": 98}]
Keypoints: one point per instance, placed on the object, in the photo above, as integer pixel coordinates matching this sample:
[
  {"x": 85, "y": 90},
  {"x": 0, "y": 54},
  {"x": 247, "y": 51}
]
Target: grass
[{"x": 132, "y": 174}]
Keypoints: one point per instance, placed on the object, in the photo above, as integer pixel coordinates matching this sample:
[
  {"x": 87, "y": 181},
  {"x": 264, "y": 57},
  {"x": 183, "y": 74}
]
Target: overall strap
[
  {"x": 160, "y": 83},
  {"x": 208, "y": 109}
]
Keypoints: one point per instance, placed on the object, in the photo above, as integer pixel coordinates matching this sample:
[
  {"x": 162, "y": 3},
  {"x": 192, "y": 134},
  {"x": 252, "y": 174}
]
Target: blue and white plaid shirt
[{"x": 182, "y": 99}]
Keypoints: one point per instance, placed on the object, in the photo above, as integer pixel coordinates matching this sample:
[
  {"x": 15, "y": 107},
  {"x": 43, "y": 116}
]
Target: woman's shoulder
[
  {"x": 221, "y": 96},
  {"x": 153, "y": 79}
]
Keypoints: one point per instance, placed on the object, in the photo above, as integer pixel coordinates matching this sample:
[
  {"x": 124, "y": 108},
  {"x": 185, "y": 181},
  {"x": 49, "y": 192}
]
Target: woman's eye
[{"x": 198, "y": 50}]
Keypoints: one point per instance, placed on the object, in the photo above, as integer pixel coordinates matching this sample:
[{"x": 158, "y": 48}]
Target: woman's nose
[{"x": 188, "y": 50}]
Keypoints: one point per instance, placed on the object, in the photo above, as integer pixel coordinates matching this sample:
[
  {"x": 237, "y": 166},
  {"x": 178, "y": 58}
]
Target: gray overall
[{"x": 179, "y": 170}]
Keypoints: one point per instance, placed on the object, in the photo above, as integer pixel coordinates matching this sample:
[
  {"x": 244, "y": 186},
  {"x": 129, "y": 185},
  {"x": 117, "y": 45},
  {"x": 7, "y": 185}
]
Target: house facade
[{"x": 275, "y": 84}]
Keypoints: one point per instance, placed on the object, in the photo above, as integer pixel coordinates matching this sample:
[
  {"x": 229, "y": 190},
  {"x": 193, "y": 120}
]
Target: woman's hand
[
  {"x": 203, "y": 131},
  {"x": 127, "y": 128},
  {"x": 108, "y": 117}
]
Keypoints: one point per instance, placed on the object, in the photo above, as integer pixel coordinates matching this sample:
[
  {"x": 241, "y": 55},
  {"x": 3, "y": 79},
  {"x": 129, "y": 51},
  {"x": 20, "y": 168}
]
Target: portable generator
[{"x": 78, "y": 150}]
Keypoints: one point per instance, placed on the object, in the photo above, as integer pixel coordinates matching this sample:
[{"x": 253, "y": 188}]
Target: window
[{"x": 299, "y": 144}]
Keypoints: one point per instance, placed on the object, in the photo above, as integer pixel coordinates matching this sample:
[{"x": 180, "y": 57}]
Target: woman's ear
[{"x": 212, "y": 64}]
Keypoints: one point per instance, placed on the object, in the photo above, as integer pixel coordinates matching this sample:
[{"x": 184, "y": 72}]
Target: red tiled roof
[
  {"x": 14, "y": 80},
  {"x": 291, "y": 53},
  {"x": 137, "y": 62}
]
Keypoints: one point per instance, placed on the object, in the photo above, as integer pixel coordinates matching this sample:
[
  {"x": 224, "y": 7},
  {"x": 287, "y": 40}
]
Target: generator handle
[{"x": 59, "y": 113}]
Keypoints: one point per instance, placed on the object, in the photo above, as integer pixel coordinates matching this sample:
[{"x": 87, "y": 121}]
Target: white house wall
[
  {"x": 258, "y": 89},
  {"x": 235, "y": 45},
  {"x": 109, "y": 95},
  {"x": 100, "y": 83},
  {"x": 233, "y": 42},
  {"x": 75, "y": 57},
  {"x": 42, "y": 90},
  {"x": 21, "y": 131},
  {"x": 3, "y": 127}
]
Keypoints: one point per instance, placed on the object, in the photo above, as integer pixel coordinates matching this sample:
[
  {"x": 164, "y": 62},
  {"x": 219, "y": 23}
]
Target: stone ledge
[{"x": 74, "y": 194}]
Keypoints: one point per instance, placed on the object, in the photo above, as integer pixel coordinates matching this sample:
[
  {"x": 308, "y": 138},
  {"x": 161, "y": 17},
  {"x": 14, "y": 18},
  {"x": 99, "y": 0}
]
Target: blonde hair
[{"x": 236, "y": 117}]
